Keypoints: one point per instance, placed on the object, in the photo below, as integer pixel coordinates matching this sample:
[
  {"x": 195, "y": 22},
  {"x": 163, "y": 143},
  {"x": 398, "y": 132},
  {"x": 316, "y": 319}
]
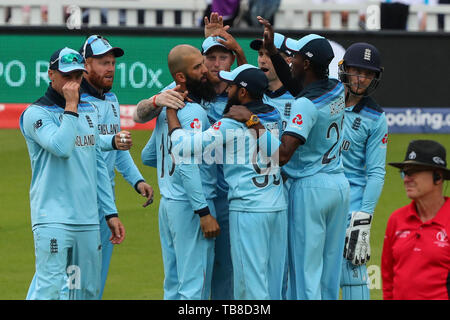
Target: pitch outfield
[{"x": 136, "y": 270}]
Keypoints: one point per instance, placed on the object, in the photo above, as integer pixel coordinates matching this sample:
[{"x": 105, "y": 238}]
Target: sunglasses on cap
[
  {"x": 411, "y": 171},
  {"x": 68, "y": 59}
]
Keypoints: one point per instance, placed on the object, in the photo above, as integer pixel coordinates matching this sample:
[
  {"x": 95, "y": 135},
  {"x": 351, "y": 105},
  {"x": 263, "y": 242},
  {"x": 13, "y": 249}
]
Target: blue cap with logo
[
  {"x": 66, "y": 60},
  {"x": 279, "y": 41},
  {"x": 314, "y": 47},
  {"x": 211, "y": 42},
  {"x": 96, "y": 46},
  {"x": 247, "y": 76}
]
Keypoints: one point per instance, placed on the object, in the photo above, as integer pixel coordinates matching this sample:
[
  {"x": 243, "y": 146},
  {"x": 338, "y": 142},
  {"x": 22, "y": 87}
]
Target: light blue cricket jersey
[
  {"x": 364, "y": 150},
  {"x": 252, "y": 186},
  {"x": 215, "y": 113},
  {"x": 68, "y": 170},
  {"x": 317, "y": 117},
  {"x": 181, "y": 181},
  {"x": 108, "y": 125},
  {"x": 282, "y": 100}
]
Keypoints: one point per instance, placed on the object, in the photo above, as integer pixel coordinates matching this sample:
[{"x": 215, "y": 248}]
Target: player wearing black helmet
[{"x": 364, "y": 157}]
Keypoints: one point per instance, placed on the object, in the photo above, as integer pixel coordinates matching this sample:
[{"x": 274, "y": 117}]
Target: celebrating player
[
  {"x": 100, "y": 61},
  {"x": 310, "y": 152},
  {"x": 69, "y": 175},
  {"x": 186, "y": 213},
  {"x": 257, "y": 206},
  {"x": 364, "y": 156}
]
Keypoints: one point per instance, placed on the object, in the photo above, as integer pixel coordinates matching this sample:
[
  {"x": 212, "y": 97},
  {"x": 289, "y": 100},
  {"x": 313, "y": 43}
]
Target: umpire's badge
[
  {"x": 412, "y": 155},
  {"x": 53, "y": 245}
]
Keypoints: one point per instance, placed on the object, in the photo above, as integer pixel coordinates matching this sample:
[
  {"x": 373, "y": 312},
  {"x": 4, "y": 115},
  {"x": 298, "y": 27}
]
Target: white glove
[{"x": 357, "y": 238}]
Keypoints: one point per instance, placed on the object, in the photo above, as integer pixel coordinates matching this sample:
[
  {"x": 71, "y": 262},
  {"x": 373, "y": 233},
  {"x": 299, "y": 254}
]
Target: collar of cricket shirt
[
  {"x": 277, "y": 93},
  {"x": 55, "y": 97}
]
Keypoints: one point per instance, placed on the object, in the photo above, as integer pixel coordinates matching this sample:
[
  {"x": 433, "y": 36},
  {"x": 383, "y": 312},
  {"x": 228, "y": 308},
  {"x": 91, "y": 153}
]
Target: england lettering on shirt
[{"x": 107, "y": 129}]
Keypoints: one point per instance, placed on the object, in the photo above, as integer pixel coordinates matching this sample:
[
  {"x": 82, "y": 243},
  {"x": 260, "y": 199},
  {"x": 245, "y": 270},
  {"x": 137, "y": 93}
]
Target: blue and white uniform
[
  {"x": 108, "y": 109},
  {"x": 364, "y": 157},
  {"x": 187, "y": 255},
  {"x": 67, "y": 195},
  {"x": 282, "y": 100},
  {"x": 318, "y": 196},
  {"x": 257, "y": 206}
]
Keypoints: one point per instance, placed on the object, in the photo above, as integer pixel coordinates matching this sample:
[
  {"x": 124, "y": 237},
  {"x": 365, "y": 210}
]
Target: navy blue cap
[
  {"x": 314, "y": 47},
  {"x": 279, "y": 41},
  {"x": 96, "y": 46},
  {"x": 363, "y": 55},
  {"x": 66, "y": 60},
  {"x": 247, "y": 76}
]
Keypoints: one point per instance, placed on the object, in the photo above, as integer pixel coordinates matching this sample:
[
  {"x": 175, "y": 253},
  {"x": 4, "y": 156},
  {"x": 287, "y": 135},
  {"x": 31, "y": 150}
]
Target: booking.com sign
[{"x": 418, "y": 120}]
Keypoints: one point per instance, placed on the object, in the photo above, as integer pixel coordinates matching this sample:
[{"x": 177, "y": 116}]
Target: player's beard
[
  {"x": 99, "y": 81},
  {"x": 234, "y": 100},
  {"x": 199, "y": 89}
]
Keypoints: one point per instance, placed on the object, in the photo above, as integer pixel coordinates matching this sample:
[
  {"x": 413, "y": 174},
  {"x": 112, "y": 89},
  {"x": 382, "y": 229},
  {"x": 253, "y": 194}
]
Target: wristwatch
[{"x": 252, "y": 121}]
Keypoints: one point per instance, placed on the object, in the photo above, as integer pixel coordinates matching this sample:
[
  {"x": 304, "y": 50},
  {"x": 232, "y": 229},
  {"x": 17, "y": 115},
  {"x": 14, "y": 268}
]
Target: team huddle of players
[
  {"x": 269, "y": 175},
  {"x": 292, "y": 219}
]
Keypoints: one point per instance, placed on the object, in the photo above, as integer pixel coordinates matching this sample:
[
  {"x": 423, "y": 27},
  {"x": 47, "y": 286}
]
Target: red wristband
[{"x": 153, "y": 101}]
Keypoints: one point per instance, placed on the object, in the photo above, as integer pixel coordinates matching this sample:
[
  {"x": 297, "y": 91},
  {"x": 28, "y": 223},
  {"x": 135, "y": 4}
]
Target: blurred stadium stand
[{"x": 292, "y": 14}]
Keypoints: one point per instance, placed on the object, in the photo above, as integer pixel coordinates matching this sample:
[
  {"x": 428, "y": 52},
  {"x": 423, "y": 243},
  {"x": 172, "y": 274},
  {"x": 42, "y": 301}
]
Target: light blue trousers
[
  {"x": 258, "y": 251},
  {"x": 222, "y": 278},
  {"x": 318, "y": 207},
  {"x": 188, "y": 256},
  {"x": 66, "y": 259}
]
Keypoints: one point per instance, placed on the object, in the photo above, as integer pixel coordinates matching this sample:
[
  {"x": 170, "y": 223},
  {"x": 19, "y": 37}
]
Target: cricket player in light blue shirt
[
  {"x": 67, "y": 190},
  {"x": 186, "y": 214},
  {"x": 100, "y": 60},
  {"x": 364, "y": 158},
  {"x": 310, "y": 153},
  {"x": 256, "y": 199}
]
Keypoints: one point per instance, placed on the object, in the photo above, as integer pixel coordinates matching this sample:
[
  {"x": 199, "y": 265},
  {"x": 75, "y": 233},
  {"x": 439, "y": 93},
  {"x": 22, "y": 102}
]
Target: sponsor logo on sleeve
[
  {"x": 216, "y": 126},
  {"x": 196, "y": 124},
  {"x": 297, "y": 119}
]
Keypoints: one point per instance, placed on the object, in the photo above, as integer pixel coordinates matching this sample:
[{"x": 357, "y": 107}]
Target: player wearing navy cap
[
  {"x": 68, "y": 176},
  {"x": 100, "y": 61},
  {"x": 364, "y": 156},
  {"x": 256, "y": 199},
  {"x": 276, "y": 95},
  {"x": 310, "y": 152}
]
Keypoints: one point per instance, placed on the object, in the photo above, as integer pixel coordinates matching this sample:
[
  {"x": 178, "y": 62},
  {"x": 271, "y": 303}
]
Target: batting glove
[{"x": 357, "y": 238}]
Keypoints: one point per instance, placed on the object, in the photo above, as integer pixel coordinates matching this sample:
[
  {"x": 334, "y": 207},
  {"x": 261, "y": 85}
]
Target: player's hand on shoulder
[
  {"x": 171, "y": 98},
  {"x": 209, "y": 226},
  {"x": 123, "y": 140},
  {"x": 238, "y": 113}
]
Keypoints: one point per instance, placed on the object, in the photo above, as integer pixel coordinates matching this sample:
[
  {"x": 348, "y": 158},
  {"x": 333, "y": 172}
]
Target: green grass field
[{"x": 136, "y": 270}]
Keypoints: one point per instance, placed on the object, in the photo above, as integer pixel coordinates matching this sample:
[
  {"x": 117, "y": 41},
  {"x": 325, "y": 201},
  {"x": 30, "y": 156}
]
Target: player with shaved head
[{"x": 187, "y": 224}]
